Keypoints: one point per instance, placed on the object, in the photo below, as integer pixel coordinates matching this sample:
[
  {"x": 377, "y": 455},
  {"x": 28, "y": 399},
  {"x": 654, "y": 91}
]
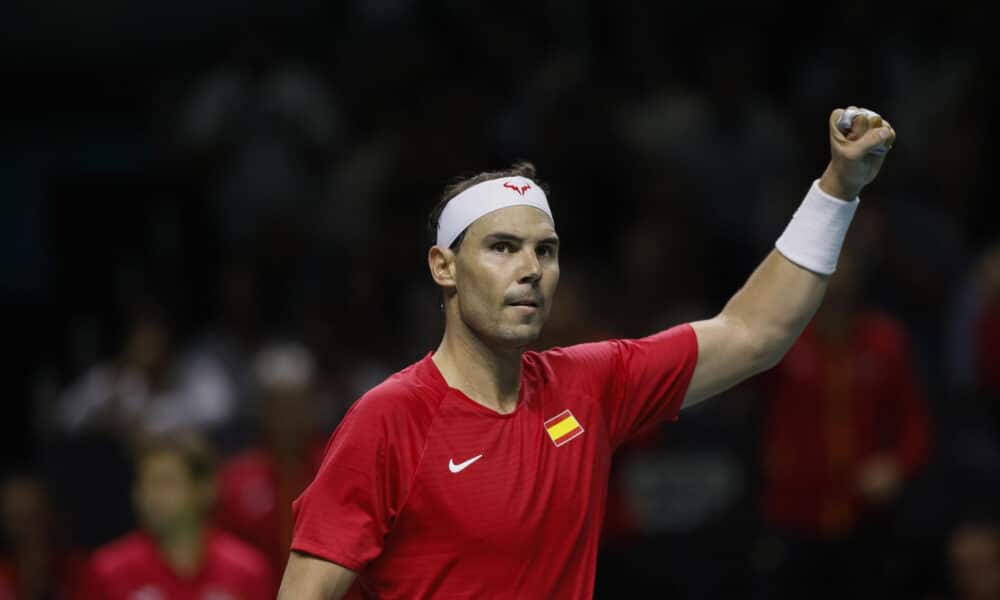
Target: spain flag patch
[{"x": 563, "y": 428}]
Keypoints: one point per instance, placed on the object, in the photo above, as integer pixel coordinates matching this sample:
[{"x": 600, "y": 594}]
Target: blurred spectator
[
  {"x": 974, "y": 347},
  {"x": 35, "y": 560},
  {"x": 974, "y": 558},
  {"x": 229, "y": 340},
  {"x": 846, "y": 426},
  {"x": 257, "y": 486},
  {"x": 174, "y": 554},
  {"x": 988, "y": 330},
  {"x": 149, "y": 386},
  {"x": 264, "y": 123}
]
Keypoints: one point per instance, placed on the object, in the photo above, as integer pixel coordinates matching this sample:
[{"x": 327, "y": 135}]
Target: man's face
[
  {"x": 506, "y": 273},
  {"x": 167, "y": 496}
]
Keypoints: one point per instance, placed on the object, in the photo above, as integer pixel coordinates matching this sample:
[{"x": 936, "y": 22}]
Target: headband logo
[{"x": 519, "y": 190}]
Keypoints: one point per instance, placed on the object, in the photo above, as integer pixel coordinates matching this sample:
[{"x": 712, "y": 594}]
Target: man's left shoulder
[
  {"x": 580, "y": 359},
  {"x": 566, "y": 362}
]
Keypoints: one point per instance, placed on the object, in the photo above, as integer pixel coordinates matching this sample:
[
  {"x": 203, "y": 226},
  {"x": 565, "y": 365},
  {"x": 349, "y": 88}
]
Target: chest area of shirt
[
  {"x": 501, "y": 481},
  {"x": 156, "y": 582}
]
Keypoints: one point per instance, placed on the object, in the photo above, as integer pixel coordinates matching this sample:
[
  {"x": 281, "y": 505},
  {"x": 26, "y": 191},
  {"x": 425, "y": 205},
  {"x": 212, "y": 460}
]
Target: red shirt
[
  {"x": 830, "y": 409},
  {"x": 426, "y": 493},
  {"x": 255, "y": 499},
  {"x": 132, "y": 568}
]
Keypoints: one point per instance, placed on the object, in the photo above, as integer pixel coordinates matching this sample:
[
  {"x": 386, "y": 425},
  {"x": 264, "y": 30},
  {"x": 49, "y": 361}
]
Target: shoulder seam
[{"x": 420, "y": 459}]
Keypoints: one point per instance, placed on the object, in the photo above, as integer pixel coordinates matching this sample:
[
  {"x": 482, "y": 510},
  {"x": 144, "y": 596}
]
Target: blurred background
[{"x": 213, "y": 218}]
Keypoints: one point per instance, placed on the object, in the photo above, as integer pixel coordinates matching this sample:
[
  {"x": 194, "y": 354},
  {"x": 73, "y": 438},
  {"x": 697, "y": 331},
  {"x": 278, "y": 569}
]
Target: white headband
[{"x": 483, "y": 198}]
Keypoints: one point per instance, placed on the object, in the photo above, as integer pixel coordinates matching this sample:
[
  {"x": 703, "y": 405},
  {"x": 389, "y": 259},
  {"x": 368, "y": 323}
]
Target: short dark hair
[
  {"x": 190, "y": 447},
  {"x": 518, "y": 169}
]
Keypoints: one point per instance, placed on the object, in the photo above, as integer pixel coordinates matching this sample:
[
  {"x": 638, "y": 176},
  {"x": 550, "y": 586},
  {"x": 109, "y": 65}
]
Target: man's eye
[
  {"x": 503, "y": 247},
  {"x": 544, "y": 251}
]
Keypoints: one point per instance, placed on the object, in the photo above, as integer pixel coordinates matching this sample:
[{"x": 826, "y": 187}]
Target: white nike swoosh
[{"x": 456, "y": 468}]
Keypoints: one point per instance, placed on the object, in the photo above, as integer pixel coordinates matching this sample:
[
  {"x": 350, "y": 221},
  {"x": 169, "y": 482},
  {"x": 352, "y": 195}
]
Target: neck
[
  {"x": 182, "y": 549},
  {"x": 491, "y": 376}
]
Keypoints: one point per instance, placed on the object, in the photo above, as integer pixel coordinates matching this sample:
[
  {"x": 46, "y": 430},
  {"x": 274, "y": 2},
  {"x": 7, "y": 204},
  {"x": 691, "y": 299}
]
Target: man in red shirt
[
  {"x": 846, "y": 426},
  {"x": 174, "y": 556},
  {"x": 847, "y": 421},
  {"x": 482, "y": 470}
]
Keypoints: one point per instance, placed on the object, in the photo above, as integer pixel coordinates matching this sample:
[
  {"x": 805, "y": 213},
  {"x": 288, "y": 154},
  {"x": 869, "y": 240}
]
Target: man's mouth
[{"x": 525, "y": 302}]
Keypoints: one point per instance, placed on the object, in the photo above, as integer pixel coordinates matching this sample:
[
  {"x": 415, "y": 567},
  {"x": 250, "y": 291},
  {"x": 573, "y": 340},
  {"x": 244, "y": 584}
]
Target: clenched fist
[{"x": 858, "y": 146}]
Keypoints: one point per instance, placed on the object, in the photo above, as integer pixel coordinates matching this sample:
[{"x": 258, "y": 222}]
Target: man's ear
[{"x": 441, "y": 262}]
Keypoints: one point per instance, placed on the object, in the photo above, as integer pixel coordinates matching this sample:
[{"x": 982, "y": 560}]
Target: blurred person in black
[
  {"x": 258, "y": 485},
  {"x": 36, "y": 560},
  {"x": 175, "y": 554},
  {"x": 151, "y": 385}
]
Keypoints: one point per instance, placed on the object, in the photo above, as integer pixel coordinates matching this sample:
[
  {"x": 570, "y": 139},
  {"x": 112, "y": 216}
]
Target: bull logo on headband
[{"x": 520, "y": 190}]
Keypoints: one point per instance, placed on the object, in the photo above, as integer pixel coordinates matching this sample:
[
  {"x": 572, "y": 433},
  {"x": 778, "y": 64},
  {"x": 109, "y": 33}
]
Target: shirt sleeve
[
  {"x": 345, "y": 513},
  {"x": 638, "y": 382}
]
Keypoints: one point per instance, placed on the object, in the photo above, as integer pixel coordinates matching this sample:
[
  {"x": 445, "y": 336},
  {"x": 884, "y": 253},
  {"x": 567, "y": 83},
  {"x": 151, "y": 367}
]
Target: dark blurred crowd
[{"x": 214, "y": 241}]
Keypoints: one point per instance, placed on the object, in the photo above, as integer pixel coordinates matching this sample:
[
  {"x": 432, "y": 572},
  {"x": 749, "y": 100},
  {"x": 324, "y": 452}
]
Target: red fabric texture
[
  {"x": 832, "y": 407},
  {"x": 133, "y": 567}
]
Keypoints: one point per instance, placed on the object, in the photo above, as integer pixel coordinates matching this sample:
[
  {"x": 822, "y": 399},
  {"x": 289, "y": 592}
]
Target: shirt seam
[{"x": 420, "y": 460}]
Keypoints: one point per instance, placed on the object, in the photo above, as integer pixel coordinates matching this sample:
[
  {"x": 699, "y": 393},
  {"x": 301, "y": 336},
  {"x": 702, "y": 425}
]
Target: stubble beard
[{"x": 505, "y": 335}]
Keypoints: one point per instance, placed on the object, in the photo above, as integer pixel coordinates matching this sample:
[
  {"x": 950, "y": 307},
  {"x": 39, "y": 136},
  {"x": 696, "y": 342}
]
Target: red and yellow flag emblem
[{"x": 563, "y": 428}]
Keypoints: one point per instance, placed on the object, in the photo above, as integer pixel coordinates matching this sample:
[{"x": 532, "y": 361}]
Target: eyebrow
[{"x": 502, "y": 236}]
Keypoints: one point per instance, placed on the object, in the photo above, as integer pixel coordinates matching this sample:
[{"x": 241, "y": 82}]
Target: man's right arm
[{"x": 310, "y": 578}]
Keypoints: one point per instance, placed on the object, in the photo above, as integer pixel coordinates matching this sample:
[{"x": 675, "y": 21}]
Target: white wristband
[{"x": 816, "y": 232}]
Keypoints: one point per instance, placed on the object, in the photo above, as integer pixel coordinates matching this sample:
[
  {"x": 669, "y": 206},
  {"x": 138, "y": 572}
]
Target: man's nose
[{"x": 531, "y": 268}]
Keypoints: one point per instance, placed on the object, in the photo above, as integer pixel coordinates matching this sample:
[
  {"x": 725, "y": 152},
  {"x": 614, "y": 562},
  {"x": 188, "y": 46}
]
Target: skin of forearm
[
  {"x": 775, "y": 304},
  {"x": 780, "y": 297}
]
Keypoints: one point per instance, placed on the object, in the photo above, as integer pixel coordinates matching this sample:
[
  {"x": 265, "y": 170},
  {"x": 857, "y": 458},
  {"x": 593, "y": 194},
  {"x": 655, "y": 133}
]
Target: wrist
[
  {"x": 815, "y": 234},
  {"x": 834, "y": 185}
]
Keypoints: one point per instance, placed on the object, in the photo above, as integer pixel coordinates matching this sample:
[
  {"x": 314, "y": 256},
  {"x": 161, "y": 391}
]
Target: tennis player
[{"x": 481, "y": 471}]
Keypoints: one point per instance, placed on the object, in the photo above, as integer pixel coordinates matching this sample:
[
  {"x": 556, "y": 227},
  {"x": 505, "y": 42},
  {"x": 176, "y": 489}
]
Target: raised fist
[{"x": 859, "y": 142}]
